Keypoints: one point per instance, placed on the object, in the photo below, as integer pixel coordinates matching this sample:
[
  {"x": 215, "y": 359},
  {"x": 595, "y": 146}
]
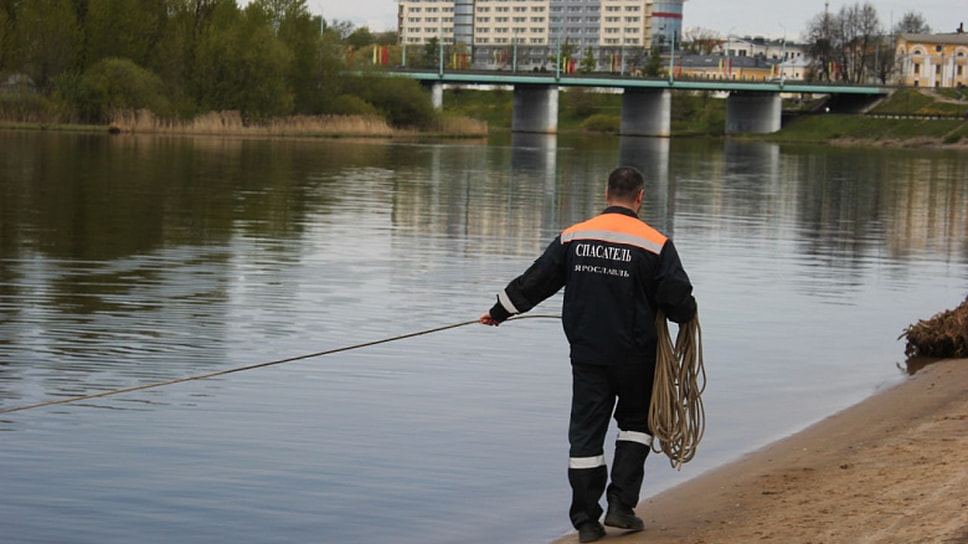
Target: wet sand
[{"x": 890, "y": 470}]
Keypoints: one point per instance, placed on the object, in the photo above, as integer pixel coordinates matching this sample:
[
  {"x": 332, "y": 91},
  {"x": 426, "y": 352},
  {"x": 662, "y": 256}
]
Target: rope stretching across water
[
  {"x": 676, "y": 415},
  {"x": 258, "y": 365}
]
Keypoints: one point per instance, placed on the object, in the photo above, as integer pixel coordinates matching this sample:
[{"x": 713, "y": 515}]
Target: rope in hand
[
  {"x": 259, "y": 365},
  {"x": 676, "y": 416}
]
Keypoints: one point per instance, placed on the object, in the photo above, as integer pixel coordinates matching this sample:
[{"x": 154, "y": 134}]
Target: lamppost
[
  {"x": 783, "y": 57},
  {"x": 514, "y": 57},
  {"x": 672, "y": 59},
  {"x": 440, "y": 51},
  {"x": 622, "y": 72},
  {"x": 558, "y": 61}
]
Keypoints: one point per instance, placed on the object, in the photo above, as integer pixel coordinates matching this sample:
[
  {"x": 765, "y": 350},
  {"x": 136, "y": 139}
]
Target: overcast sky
[{"x": 750, "y": 17}]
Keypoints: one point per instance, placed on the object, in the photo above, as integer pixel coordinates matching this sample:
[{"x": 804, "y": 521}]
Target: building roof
[
  {"x": 713, "y": 61},
  {"x": 957, "y": 38}
]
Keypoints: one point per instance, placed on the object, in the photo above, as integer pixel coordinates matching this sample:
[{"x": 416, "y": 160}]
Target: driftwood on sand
[{"x": 944, "y": 335}]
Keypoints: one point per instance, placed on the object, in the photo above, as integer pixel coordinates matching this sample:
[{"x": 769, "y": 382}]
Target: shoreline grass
[{"x": 230, "y": 123}]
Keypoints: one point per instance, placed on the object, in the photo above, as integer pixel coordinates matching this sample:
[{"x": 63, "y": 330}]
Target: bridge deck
[{"x": 572, "y": 80}]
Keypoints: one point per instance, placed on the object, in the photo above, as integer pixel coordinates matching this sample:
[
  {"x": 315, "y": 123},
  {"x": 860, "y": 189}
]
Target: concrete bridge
[{"x": 646, "y": 103}]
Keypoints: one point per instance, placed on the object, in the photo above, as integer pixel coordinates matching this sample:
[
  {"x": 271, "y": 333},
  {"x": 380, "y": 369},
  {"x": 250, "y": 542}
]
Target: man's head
[{"x": 625, "y": 188}]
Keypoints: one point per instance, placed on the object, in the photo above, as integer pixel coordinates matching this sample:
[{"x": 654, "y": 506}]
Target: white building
[{"x": 498, "y": 32}]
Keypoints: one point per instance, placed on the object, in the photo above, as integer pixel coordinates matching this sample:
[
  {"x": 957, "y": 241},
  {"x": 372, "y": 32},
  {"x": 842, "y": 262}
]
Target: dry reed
[{"x": 230, "y": 123}]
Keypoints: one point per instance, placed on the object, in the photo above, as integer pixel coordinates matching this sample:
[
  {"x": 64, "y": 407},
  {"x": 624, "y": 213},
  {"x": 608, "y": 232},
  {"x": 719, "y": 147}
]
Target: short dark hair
[{"x": 624, "y": 183}]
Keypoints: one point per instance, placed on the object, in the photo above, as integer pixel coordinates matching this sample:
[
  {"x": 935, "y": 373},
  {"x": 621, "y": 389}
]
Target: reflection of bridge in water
[{"x": 646, "y": 103}]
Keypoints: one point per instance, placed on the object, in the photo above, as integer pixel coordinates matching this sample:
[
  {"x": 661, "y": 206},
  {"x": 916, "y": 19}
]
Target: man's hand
[{"x": 486, "y": 319}]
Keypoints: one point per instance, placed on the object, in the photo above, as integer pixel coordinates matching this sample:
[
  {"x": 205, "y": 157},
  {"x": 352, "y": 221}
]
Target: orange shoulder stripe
[{"x": 619, "y": 229}]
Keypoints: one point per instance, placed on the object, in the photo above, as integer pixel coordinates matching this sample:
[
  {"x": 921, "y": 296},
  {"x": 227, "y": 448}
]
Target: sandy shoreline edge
[{"x": 890, "y": 469}]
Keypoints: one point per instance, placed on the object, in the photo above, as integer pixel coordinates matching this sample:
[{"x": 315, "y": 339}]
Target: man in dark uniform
[{"x": 617, "y": 272}]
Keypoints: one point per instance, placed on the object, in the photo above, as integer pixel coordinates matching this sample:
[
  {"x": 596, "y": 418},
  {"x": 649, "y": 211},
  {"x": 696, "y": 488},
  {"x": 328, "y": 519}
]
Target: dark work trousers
[{"x": 595, "y": 390}]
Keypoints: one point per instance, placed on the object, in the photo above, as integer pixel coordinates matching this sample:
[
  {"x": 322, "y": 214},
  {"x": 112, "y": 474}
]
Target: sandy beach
[{"x": 890, "y": 470}]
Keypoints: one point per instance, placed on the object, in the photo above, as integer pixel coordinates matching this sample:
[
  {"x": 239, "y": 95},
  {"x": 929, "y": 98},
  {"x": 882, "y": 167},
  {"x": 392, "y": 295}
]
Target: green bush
[
  {"x": 347, "y": 104},
  {"x": 27, "y": 107},
  {"x": 403, "y": 102},
  {"x": 601, "y": 122},
  {"x": 115, "y": 84}
]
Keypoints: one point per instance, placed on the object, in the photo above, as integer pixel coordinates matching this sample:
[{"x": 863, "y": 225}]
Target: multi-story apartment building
[
  {"x": 932, "y": 60},
  {"x": 529, "y": 33}
]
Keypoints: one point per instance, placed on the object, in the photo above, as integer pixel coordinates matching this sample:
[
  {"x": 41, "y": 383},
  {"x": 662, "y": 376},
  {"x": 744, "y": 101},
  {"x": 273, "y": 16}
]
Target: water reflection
[
  {"x": 128, "y": 260},
  {"x": 651, "y": 157}
]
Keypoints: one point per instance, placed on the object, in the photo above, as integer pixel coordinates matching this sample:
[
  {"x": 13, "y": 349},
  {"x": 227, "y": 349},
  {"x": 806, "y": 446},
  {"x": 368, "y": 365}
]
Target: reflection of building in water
[
  {"x": 753, "y": 169},
  {"x": 534, "y": 161},
  {"x": 929, "y": 215},
  {"x": 651, "y": 157}
]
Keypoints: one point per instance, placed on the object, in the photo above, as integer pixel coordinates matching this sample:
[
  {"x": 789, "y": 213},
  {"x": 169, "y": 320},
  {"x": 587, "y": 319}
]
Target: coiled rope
[
  {"x": 676, "y": 416},
  {"x": 258, "y": 365}
]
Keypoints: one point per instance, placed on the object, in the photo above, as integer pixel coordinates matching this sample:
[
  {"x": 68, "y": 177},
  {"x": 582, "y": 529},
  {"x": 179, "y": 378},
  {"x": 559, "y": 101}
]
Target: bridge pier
[
  {"x": 754, "y": 113},
  {"x": 646, "y": 112},
  {"x": 535, "y": 109},
  {"x": 437, "y": 95}
]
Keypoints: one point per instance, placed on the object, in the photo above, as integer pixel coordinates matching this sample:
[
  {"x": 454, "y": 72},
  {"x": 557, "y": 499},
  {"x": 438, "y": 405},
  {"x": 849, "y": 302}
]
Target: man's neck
[{"x": 625, "y": 205}]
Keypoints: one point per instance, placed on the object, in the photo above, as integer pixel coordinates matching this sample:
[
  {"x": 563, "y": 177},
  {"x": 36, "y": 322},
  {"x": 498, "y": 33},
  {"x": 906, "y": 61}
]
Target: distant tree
[
  {"x": 48, "y": 39},
  {"x": 390, "y": 37},
  {"x": 588, "y": 62},
  {"x": 431, "y": 53},
  {"x": 122, "y": 28},
  {"x": 845, "y": 46},
  {"x": 242, "y": 66},
  {"x": 653, "y": 64},
  {"x": 115, "y": 84},
  {"x": 7, "y": 40},
  {"x": 566, "y": 51},
  {"x": 700, "y": 41},
  {"x": 278, "y": 12},
  {"x": 298, "y": 30},
  {"x": 360, "y": 38},
  {"x": 402, "y": 101},
  {"x": 342, "y": 29},
  {"x": 175, "y": 56},
  {"x": 821, "y": 42},
  {"x": 912, "y": 22}
]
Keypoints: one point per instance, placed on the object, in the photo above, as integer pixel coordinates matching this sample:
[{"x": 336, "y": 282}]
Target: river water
[{"x": 130, "y": 260}]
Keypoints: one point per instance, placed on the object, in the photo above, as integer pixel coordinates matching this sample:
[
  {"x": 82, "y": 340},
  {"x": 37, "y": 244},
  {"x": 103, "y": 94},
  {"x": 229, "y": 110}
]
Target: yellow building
[
  {"x": 719, "y": 67},
  {"x": 932, "y": 60}
]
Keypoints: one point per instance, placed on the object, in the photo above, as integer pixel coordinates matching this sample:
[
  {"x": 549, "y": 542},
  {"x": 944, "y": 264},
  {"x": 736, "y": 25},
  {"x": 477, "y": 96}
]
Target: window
[{"x": 917, "y": 69}]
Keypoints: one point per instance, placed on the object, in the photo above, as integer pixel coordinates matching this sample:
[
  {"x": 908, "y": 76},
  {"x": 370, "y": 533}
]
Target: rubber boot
[
  {"x": 628, "y": 472},
  {"x": 587, "y": 486}
]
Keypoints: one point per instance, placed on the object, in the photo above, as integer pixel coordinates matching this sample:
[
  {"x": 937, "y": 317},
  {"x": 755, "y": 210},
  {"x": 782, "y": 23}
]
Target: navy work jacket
[{"x": 616, "y": 271}]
